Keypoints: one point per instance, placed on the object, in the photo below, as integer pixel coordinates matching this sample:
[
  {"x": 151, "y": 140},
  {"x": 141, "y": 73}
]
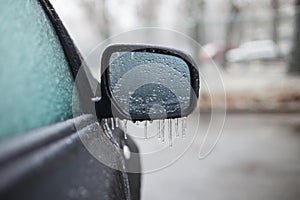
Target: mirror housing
[{"x": 145, "y": 82}]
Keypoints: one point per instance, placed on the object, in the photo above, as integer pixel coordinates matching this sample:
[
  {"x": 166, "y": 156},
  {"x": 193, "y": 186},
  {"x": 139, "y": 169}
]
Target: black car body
[
  {"x": 49, "y": 161},
  {"x": 56, "y": 142}
]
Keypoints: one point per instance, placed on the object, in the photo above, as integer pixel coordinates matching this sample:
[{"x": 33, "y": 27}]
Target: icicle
[
  {"x": 107, "y": 130},
  {"x": 163, "y": 131},
  {"x": 125, "y": 129},
  {"x": 159, "y": 129},
  {"x": 184, "y": 126},
  {"x": 145, "y": 129},
  {"x": 170, "y": 133},
  {"x": 176, "y": 127},
  {"x": 112, "y": 123},
  {"x": 117, "y": 122}
]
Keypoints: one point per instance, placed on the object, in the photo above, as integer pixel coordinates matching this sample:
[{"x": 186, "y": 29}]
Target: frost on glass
[
  {"x": 35, "y": 83},
  {"x": 152, "y": 84}
]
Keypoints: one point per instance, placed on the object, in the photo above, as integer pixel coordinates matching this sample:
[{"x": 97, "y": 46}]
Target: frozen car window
[{"x": 35, "y": 83}]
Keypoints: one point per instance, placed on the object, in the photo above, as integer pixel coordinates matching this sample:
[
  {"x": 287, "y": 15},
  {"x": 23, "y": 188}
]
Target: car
[
  {"x": 253, "y": 51},
  {"x": 61, "y": 138}
]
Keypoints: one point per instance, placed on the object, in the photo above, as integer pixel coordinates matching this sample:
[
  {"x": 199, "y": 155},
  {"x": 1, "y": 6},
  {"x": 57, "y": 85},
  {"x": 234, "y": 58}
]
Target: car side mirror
[{"x": 143, "y": 82}]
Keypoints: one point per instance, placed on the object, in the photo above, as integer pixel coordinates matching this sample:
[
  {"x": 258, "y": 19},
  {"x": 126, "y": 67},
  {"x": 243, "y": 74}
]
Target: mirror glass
[{"x": 149, "y": 84}]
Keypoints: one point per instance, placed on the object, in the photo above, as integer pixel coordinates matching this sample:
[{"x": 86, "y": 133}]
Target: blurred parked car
[{"x": 255, "y": 50}]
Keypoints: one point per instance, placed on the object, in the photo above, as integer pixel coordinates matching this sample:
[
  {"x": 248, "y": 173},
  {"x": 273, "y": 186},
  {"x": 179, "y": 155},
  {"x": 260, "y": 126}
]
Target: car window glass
[{"x": 35, "y": 82}]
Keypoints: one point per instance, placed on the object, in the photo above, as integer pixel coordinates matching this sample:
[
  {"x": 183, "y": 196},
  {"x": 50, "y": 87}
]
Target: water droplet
[
  {"x": 145, "y": 129},
  {"x": 170, "y": 133},
  {"x": 176, "y": 127},
  {"x": 184, "y": 126}
]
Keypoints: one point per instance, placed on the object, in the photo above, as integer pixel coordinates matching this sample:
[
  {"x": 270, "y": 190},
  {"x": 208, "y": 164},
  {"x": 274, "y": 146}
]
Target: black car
[{"x": 51, "y": 113}]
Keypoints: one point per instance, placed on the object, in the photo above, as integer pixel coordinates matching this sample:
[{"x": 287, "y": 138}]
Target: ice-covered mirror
[{"x": 147, "y": 83}]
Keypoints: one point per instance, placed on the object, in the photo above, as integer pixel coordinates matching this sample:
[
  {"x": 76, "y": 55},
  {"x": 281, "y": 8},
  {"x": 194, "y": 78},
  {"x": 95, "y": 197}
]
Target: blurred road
[{"x": 258, "y": 157}]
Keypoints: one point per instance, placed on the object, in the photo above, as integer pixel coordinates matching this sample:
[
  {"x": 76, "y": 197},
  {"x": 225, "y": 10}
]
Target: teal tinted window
[{"x": 35, "y": 83}]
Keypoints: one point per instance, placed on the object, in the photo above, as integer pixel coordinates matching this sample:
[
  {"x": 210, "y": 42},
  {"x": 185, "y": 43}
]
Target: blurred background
[{"x": 255, "y": 44}]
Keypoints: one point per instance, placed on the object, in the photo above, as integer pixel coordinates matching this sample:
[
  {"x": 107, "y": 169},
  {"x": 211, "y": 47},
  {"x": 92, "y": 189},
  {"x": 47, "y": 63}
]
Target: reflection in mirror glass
[{"x": 152, "y": 84}]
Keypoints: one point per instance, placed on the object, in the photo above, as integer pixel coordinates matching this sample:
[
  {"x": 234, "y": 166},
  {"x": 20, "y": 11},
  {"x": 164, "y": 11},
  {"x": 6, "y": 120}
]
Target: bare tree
[
  {"x": 234, "y": 14},
  {"x": 195, "y": 10},
  {"x": 98, "y": 13},
  {"x": 275, "y": 10},
  {"x": 294, "y": 62}
]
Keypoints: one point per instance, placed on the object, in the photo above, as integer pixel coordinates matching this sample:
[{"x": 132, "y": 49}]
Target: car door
[{"x": 41, "y": 153}]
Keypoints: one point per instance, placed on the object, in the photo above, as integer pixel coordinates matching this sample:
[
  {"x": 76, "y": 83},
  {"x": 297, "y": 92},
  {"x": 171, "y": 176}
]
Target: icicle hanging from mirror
[
  {"x": 117, "y": 122},
  {"x": 184, "y": 126},
  {"x": 170, "y": 133},
  {"x": 145, "y": 129},
  {"x": 112, "y": 123},
  {"x": 176, "y": 127},
  {"x": 125, "y": 128},
  {"x": 159, "y": 129},
  {"x": 165, "y": 126}
]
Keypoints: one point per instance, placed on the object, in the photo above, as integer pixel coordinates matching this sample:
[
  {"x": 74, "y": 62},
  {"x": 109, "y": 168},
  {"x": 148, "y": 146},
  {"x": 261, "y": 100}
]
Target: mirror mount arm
[{"x": 103, "y": 107}]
